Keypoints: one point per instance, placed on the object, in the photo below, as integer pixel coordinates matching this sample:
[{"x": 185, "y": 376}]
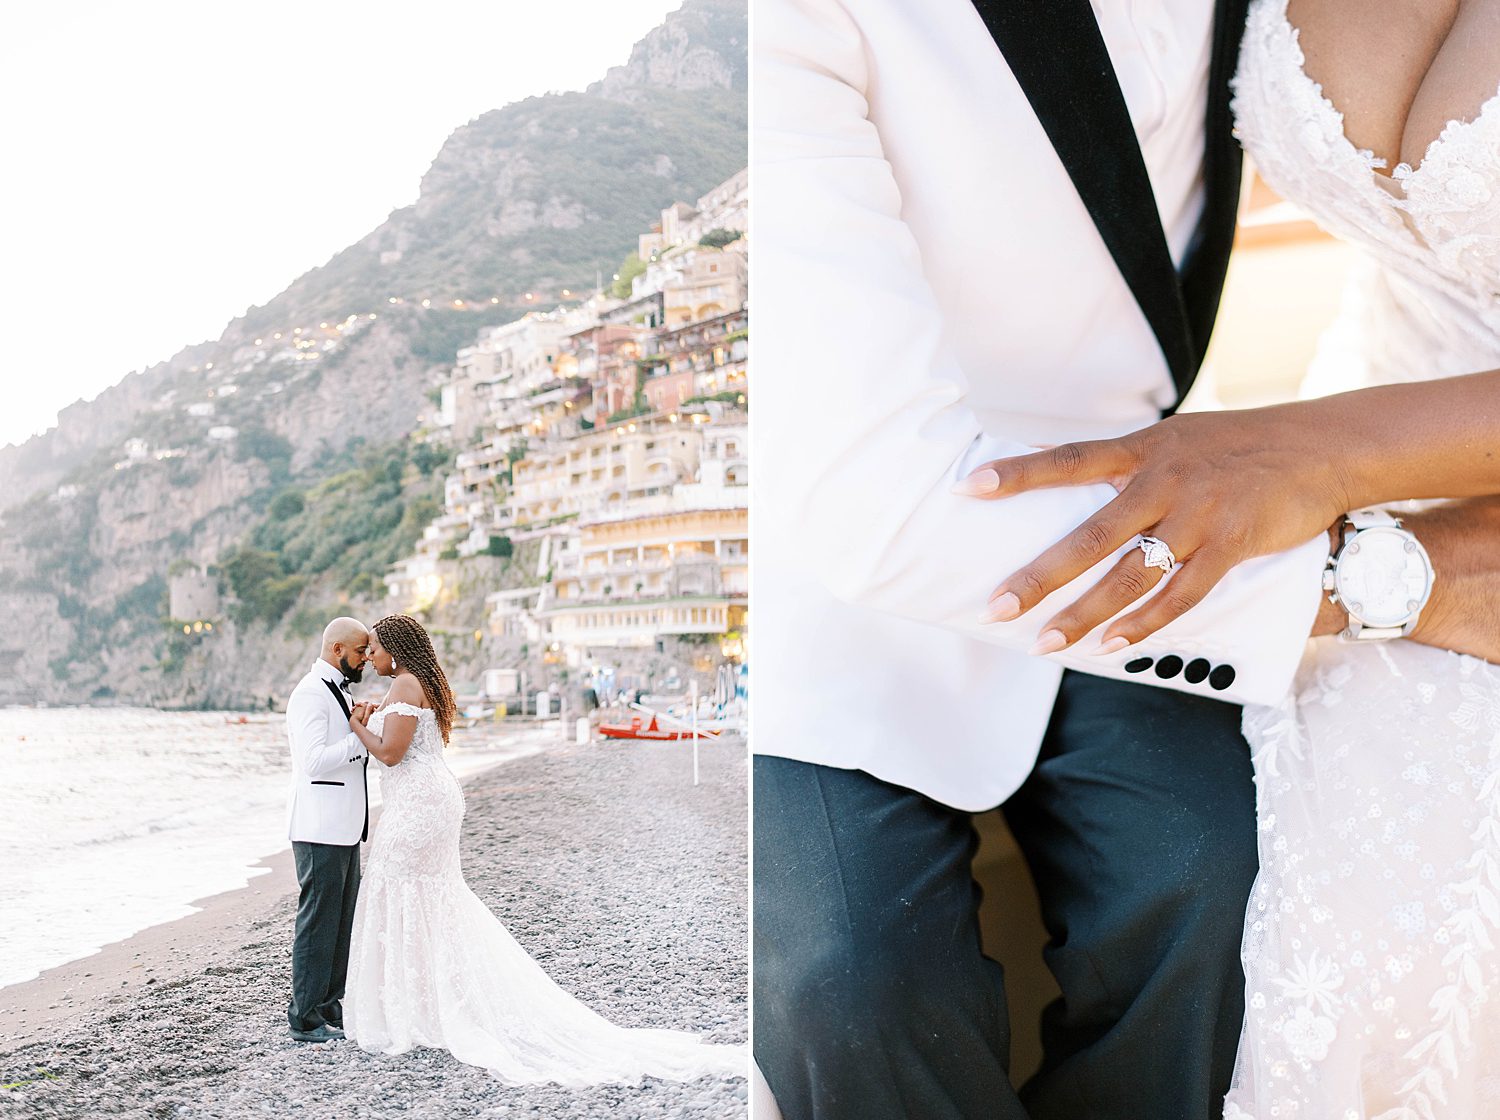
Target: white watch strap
[
  {"x": 1359, "y": 632},
  {"x": 1371, "y": 518}
]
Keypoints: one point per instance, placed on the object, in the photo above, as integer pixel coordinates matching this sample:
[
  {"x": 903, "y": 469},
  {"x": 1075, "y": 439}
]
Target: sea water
[{"x": 113, "y": 820}]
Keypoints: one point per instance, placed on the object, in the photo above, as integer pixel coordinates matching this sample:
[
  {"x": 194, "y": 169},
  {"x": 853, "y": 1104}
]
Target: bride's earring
[{"x": 394, "y": 666}]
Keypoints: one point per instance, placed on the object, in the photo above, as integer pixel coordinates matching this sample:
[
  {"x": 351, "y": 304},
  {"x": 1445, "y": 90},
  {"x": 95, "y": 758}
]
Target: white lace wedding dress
[
  {"x": 429, "y": 965},
  {"x": 1372, "y": 941}
]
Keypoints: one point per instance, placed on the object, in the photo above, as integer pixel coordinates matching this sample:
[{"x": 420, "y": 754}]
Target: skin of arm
[
  {"x": 1224, "y": 487},
  {"x": 320, "y": 754},
  {"x": 1463, "y": 540},
  {"x": 390, "y": 748}
]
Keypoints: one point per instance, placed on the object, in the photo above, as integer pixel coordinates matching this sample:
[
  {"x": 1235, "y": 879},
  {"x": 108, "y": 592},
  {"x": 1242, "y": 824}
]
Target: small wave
[{"x": 119, "y": 819}]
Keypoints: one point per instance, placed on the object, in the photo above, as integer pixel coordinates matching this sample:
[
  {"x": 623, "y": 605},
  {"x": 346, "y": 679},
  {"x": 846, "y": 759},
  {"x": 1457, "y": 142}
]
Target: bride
[
  {"x": 429, "y": 965},
  {"x": 1372, "y": 940}
]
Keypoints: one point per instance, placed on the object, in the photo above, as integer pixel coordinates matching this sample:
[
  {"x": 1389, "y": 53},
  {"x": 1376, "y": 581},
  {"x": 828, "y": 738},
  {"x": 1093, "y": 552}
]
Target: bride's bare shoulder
[{"x": 406, "y": 689}]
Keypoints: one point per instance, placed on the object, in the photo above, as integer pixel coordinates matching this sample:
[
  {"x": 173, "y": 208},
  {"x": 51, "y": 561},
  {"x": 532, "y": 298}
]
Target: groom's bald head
[
  {"x": 346, "y": 646},
  {"x": 350, "y": 633}
]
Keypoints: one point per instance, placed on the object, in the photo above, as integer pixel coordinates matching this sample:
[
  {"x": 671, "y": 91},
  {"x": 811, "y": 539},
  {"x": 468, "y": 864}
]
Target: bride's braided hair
[{"x": 407, "y": 642}]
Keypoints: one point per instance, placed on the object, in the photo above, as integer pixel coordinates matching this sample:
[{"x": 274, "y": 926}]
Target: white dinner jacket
[
  {"x": 328, "y": 802},
  {"x": 930, "y": 293}
]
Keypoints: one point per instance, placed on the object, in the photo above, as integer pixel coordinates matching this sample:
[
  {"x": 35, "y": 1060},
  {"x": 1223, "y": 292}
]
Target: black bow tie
[{"x": 344, "y": 687}]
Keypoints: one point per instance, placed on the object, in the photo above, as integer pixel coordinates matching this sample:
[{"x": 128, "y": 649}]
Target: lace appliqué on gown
[
  {"x": 1370, "y": 942},
  {"x": 1371, "y": 938},
  {"x": 1427, "y": 302},
  {"x": 429, "y": 965}
]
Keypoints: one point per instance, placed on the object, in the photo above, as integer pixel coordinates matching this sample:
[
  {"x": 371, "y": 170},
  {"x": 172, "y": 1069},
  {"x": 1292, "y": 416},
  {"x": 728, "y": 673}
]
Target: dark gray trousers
[
  {"x": 873, "y": 997},
  {"x": 328, "y": 875}
]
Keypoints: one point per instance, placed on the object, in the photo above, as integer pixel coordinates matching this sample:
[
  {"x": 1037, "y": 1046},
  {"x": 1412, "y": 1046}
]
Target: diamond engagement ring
[{"x": 1158, "y": 555}]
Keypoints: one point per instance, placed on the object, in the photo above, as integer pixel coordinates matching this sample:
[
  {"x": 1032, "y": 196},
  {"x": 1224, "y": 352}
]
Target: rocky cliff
[{"x": 315, "y": 402}]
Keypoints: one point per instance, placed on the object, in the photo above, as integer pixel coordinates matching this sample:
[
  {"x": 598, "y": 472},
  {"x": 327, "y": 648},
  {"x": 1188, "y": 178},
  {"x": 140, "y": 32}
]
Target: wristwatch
[{"x": 1380, "y": 574}]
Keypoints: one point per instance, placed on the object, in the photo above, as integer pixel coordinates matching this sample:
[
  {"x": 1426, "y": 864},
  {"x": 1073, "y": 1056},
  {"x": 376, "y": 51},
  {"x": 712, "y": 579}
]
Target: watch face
[{"x": 1383, "y": 577}]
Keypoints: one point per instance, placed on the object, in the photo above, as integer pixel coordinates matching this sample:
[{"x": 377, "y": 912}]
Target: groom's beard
[{"x": 351, "y": 674}]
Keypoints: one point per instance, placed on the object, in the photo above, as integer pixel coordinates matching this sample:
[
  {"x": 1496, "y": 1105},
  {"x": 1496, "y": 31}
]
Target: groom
[
  {"x": 328, "y": 817},
  {"x": 986, "y": 227}
]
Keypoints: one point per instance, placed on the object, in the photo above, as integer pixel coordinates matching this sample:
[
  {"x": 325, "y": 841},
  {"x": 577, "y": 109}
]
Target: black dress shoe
[{"x": 321, "y": 1033}]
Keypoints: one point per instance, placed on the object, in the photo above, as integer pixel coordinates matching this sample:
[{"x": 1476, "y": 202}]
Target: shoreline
[
  {"x": 159, "y": 951},
  {"x": 624, "y": 881},
  {"x": 66, "y": 990},
  {"x": 75, "y": 987}
]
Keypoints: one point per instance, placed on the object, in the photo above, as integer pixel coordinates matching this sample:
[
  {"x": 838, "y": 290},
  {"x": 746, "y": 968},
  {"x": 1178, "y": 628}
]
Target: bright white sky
[{"x": 169, "y": 163}]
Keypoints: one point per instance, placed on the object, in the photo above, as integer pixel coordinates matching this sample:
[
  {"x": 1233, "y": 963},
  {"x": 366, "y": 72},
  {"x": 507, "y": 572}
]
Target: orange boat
[{"x": 636, "y": 729}]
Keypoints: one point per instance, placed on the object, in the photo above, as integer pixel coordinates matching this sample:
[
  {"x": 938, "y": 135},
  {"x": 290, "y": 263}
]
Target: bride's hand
[{"x": 1218, "y": 487}]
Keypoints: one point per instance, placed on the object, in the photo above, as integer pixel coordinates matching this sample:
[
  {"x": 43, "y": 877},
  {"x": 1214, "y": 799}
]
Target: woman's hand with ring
[{"x": 1218, "y": 487}]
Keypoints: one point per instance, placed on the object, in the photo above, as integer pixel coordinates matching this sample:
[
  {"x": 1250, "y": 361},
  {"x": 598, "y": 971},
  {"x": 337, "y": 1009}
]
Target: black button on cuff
[
  {"x": 1222, "y": 677},
  {"x": 1139, "y": 665},
  {"x": 1196, "y": 671},
  {"x": 1169, "y": 666}
]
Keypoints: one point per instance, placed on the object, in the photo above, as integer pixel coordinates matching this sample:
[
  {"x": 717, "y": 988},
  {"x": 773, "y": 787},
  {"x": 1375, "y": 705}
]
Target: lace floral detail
[
  {"x": 1431, "y": 307},
  {"x": 1370, "y": 945},
  {"x": 426, "y": 742},
  {"x": 402, "y": 708},
  {"x": 429, "y": 965},
  {"x": 1468, "y": 935},
  {"x": 1370, "y": 941}
]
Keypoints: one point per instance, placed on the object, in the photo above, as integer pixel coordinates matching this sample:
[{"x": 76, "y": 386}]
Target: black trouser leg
[
  {"x": 1139, "y": 826},
  {"x": 332, "y": 1009},
  {"x": 873, "y": 1000},
  {"x": 328, "y": 875},
  {"x": 872, "y": 996}
]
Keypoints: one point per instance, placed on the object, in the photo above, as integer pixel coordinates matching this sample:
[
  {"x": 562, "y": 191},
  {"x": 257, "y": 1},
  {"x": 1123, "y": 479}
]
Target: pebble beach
[{"x": 623, "y": 880}]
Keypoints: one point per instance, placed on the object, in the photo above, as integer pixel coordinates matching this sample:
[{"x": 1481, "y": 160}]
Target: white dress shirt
[
  {"x": 931, "y": 294},
  {"x": 328, "y": 800}
]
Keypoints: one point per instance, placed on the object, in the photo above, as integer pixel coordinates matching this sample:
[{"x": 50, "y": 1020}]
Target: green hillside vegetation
[
  {"x": 631, "y": 267},
  {"x": 439, "y": 333},
  {"x": 297, "y": 523},
  {"x": 342, "y": 533}
]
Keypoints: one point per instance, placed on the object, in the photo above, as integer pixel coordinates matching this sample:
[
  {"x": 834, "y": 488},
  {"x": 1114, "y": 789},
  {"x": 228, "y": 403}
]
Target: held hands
[
  {"x": 360, "y": 716},
  {"x": 1219, "y": 488}
]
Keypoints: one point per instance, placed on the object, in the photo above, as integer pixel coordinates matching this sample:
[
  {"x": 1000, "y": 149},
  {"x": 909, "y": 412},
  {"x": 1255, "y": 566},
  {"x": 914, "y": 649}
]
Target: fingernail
[
  {"x": 1003, "y": 609},
  {"x": 1050, "y": 642},
  {"x": 985, "y": 481},
  {"x": 1113, "y": 645}
]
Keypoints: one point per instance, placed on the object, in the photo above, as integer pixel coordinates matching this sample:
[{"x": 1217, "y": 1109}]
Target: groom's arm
[
  {"x": 1463, "y": 540},
  {"x": 317, "y": 752},
  {"x": 864, "y": 425}
]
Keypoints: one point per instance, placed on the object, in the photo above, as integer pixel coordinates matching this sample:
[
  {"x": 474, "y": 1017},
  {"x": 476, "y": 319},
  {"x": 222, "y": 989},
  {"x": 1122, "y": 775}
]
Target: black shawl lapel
[
  {"x": 1207, "y": 258},
  {"x": 338, "y": 694},
  {"x": 1058, "y": 57}
]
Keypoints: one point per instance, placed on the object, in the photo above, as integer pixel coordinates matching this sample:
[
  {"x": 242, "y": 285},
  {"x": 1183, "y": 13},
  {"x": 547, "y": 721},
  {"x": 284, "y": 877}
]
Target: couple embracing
[
  {"x": 1226, "y": 674},
  {"x": 403, "y": 953}
]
